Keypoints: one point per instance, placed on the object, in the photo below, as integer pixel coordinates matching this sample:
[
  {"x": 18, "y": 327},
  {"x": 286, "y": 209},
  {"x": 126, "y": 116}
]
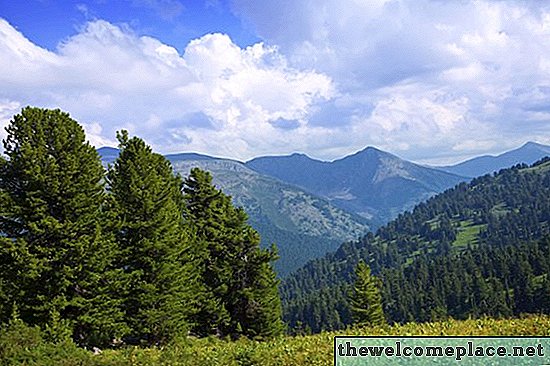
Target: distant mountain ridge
[
  {"x": 308, "y": 207},
  {"x": 481, "y": 165},
  {"x": 372, "y": 183},
  {"x": 108, "y": 154},
  {"x": 302, "y": 225}
]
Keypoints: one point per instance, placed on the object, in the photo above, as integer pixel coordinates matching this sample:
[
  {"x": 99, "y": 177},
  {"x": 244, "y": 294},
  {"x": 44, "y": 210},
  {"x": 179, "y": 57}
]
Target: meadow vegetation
[{"x": 24, "y": 345}]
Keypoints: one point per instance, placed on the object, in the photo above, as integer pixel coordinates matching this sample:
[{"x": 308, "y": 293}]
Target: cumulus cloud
[
  {"x": 216, "y": 97},
  {"x": 425, "y": 72},
  {"x": 426, "y": 79}
]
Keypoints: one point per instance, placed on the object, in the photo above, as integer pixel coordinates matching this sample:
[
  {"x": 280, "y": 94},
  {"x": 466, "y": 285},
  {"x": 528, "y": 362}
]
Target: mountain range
[
  {"x": 528, "y": 154},
  {"x": 302, "y": 225},
  {"x": 371, "y": 183},
  {"x": 309, "y": 207}
]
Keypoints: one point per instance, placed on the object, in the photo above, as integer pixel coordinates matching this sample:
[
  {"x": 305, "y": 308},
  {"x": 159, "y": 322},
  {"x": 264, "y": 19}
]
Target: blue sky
[
  {"x": 431, "y": 81},
  {"x": 48, "y": 22}
]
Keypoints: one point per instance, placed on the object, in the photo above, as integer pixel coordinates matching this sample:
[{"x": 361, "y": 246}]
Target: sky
[{"x": 431, "y": 81}]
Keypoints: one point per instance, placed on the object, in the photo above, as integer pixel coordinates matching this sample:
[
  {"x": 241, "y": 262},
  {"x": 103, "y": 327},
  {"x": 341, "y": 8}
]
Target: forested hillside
[
  {"x": 478, "y": 248},
  {"x": 302, "y": 225}
]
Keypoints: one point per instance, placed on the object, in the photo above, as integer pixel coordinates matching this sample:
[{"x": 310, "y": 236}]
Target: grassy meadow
[{"x": 21, "y": 345}]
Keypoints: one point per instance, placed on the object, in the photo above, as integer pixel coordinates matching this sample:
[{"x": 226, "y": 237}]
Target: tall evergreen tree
[
  {"x": 55, "y": 256},
  {"x": 366, "y": 301},
  {"x": 162, "y": 285},
  {"x": 253, "y": 299},
  {"x": 241, "y": 285}
]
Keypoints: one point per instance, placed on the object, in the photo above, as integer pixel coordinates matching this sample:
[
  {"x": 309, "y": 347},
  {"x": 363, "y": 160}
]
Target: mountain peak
[
  {"x": 372, "y": 148},
  {"x": 532, "y": 144},
  {"x": 528, "y": 153},
  {"x": 189, "y": 156},
  {"x": 298, "y": 155},
  {"x": 376, "y": 151},
  {"x": 369, "y": 152},
  {"x": 107, "y": 149},
  {"x": 108, "y": 154}
]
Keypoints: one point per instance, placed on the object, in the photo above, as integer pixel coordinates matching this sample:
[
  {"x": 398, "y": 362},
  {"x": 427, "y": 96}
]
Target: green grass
[
  {"x": 24, "y": 346},
  {"x": 467, "y": 234}
]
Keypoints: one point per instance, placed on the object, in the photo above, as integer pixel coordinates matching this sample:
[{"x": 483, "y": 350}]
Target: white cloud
[
  {"x": 464, "y": 73},
  {"x": 423, "y": 79},
  {"x": 216, "y": 98},
  {"x": 474, "y": 70},
  {"x": 475, "y": 145}
]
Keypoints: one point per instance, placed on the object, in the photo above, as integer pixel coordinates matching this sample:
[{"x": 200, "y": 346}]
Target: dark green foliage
[
  {"x": 56, "y": 260},
  {"x": 135, "y": 260},
  {"x": 294, "y": 248},
  {"x": 423, "y": 257},
  {"x": 241, "y": 297},
  {"x": 205, "y": 213},
  {"x": 162, "y": 288},
  {"x": 494, "y": 281},
  {"x": 365, "y": 299}
]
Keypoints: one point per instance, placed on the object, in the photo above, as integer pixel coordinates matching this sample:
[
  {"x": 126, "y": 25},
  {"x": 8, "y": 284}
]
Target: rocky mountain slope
[{"x": 372, "y": 183}]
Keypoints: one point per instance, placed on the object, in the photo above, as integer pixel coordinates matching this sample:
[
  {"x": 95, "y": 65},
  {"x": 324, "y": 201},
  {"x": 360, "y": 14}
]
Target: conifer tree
[
  {"x": 253, "y": 299},
  {"x": 242, "y": 296},
  {"x": 162, "y": 285},
  {"x": 55, "y": 255},
  {"x": 366, "y": 301}
]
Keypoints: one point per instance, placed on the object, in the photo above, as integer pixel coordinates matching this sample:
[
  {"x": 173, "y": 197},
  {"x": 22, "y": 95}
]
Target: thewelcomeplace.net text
[
  {"x": 458, "y": 352},
  {"x": 472, "y": 350}
]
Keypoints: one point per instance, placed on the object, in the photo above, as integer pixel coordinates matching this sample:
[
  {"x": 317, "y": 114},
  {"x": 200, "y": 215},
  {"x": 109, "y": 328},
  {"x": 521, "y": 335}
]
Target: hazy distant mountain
[
  {"x": 372, "y": 183},
  {"x": 528, "y": 154},
  {"x": 302, "y": 225},
  {"x": 107, "y": 154}
]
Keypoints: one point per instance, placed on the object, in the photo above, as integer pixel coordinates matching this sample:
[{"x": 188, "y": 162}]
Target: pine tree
[
  {"x": 253, "y": 299},
  {"x": 162, "y": 285},
  {"x": 205, "y": 214},
  {"x": 366, "y": 301},
  {"x": 242, "y": 296},
  {"x": 55, "y": 255}
]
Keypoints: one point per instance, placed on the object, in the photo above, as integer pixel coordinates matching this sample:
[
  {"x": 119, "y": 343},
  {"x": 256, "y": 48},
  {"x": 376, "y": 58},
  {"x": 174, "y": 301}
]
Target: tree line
[{"x": 132, "y": 254}]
